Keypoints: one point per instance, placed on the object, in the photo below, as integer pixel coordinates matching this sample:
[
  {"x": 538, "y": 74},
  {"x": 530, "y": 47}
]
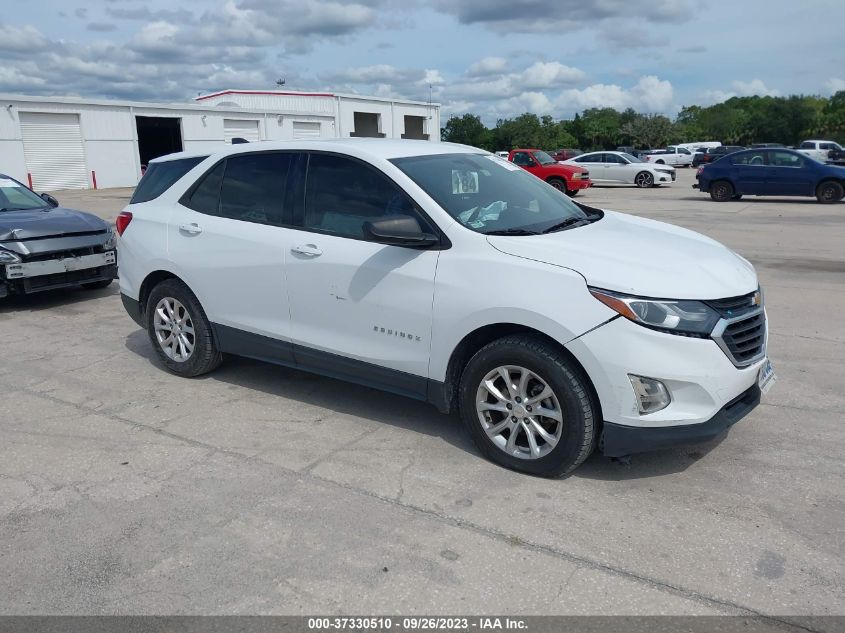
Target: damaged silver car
[{"x": 44, "y": 246}]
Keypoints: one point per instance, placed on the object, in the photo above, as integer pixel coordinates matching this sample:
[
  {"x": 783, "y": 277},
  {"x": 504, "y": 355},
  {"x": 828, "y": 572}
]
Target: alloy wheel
[
  {"x": 519, "y": 412},
  {"x": 644, "y": 179},
  {"x": 174, "y": 329}
]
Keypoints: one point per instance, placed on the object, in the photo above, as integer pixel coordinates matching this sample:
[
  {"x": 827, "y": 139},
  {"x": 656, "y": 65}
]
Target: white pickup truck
[
  {"x": 823, "y": 151},
  {"x": 677, "y": 156}
]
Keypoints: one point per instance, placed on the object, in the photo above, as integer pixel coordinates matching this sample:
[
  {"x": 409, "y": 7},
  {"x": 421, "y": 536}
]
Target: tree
[
  {"x": 649, "y": 130},
  {"x": 468, "y": 130}
]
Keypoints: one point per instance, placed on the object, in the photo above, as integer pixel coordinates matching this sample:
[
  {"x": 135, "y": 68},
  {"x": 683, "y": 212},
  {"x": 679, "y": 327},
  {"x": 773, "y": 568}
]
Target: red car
[{"x": 568, "y": 178}]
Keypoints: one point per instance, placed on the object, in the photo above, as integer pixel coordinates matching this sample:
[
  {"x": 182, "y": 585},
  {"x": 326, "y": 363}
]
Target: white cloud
[
  {"x": 488, "y": 66},
  {"x": 550, "y": 75},
  {"x": 649, "y": 94},
  {"x": 835, "y": 84},
  {"x": 752, "y": 88}
]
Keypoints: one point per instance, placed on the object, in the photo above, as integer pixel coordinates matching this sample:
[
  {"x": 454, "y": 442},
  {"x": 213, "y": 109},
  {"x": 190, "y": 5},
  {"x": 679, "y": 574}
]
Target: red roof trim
[{"x": 264, "y": 92}]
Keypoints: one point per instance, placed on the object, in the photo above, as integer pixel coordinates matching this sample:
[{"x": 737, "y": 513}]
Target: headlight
[
  {"x": 8, "y": 257},
  {"x": 685, "y": 317},
  {"x": 111, "y": 243}
]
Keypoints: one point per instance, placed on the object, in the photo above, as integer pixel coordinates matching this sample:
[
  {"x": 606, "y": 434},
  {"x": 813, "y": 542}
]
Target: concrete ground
[{"x": 257, "y": 489}]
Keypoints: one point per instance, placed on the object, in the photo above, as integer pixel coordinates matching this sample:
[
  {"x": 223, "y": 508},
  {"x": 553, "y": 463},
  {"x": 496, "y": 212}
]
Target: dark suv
[{"x": 712, "y": 154}]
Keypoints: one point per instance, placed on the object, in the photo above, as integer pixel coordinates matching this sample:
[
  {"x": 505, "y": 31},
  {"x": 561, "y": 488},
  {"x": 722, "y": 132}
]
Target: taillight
[
  {"x": 122, "y": 221},
  {"x": 700, "y": 169}
]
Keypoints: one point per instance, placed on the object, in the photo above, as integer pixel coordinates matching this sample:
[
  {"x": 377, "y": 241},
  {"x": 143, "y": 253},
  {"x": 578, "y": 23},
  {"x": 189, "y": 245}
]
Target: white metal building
[{"x": 70, "y": 143}]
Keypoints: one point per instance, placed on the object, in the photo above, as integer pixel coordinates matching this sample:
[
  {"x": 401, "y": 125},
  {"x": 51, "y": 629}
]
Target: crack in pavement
[{"x": 489, "y": 532}]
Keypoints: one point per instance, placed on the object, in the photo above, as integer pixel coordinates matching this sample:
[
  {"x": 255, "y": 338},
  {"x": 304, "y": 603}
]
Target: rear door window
[
  {"x": 785, "y": 159},
  {"x": 206, "y": 197},
  {"x": 751, "y": 158},
  {"x": 159, "y": 177},
  {"x": 253, "y": 187}
]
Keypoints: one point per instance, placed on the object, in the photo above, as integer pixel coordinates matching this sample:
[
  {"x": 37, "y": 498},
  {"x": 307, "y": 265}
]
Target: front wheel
[
  {"x": 557, "y": 183},
  {"x": 829, "y": 192},
  {"x": 528, "y": 407},
  {"x": 644, "y": 180},
  {"x": 721, "y": 191},
  {"x": 180, "y": 331}
]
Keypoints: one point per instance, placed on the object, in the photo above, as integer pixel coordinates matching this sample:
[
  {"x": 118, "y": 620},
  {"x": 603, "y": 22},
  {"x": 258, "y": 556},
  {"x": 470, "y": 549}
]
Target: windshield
[
  {"x": 543, "y": 158},
  {"x": 631, "y": 158},
  {"x": 15, "y": 197},
  {"x": 489, "y": 195}
]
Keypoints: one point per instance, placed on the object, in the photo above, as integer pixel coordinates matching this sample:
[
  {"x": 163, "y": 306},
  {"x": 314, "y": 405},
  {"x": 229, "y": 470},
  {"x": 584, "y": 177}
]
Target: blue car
[{"x": 771, "y": 172}]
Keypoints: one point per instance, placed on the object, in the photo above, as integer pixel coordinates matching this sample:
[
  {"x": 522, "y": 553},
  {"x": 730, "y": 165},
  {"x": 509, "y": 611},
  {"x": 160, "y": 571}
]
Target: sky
[{"x": 494, "y": 58}]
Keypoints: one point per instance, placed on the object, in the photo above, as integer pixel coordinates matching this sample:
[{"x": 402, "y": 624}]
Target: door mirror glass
[
  {"x": 46, "y": 197},
  {"x": 398, "y": 230}
]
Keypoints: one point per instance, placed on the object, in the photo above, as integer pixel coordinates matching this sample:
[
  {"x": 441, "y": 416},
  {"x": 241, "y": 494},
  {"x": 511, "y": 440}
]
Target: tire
[
  {"x": 660, "y": 162},
  {"x": 829, "y": 192},
  {"x": 558, "y": 183},
  {"x": 722, "y": 191},
  {"x": 548, "y": 368},
  {"x": 572, "y": 192},
  {"x": 644, "y": 179},
  {"x": 98, "y": 285},
  {"x": 204, "y": 354}
]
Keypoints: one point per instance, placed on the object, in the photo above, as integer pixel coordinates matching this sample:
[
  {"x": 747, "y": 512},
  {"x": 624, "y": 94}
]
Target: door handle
[
  {"x": 308, "y": 250},
  {"x": 191, "y": 229}
]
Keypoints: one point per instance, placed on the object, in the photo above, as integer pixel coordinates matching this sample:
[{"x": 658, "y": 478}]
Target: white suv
[{"x": 447, "y": 274}]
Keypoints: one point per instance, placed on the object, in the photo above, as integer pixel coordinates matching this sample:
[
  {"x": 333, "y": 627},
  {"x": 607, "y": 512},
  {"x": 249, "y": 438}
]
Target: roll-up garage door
[
  {"x": 236, "y": 128},
  {"x": 306, "y": 129},
  {"x": 52, "y": 144}
]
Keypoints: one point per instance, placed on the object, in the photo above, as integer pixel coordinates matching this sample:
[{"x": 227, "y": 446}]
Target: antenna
[{"x": 280, "y": 82}]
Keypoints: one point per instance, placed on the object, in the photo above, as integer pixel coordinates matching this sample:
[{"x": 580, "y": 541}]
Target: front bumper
[
  {"x": 40, "y": 276},
  {"x": 619, "y": 440},
  {"x": 701, "y": 379},
  {"x": 577, "y": 185}
]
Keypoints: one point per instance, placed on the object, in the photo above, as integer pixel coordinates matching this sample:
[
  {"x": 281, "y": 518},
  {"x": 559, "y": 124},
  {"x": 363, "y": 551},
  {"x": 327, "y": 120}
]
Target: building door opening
[
  {"x": 367, "y": 124},
  {"x": 157, "y": 136},
  {"x": 415, "y": 128}
]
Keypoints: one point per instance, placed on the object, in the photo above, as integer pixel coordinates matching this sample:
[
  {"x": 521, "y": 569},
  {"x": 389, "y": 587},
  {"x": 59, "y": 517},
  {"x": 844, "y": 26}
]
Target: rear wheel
[
  {"x": 829, "y": 192},
  {"x": 558, "y": 183},
  {"x": 528, "y": 407},
  {"x": 644, "y": 180},
  {"x": 180, "y": 331},
  {"x": 721, "y": 191}
]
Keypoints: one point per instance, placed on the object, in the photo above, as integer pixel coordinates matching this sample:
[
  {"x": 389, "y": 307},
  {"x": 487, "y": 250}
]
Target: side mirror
[
  {"x": 46, "y": 197},
  {"x": 399, "y": 230}
]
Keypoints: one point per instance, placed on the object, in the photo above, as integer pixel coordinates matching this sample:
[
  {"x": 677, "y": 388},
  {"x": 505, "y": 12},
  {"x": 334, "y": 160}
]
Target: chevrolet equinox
[{"x": 447, "y": 274}]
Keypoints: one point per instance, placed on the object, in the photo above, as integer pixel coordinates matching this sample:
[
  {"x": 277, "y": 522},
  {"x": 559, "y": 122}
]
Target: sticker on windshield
[
  {"x": 503, "y": 162},
  {"x": 5, "y": 182},
  {"x": 464, "y": 181}
]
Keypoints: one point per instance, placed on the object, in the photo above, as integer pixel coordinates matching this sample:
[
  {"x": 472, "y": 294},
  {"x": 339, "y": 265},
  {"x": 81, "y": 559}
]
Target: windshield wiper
[
  {"x": 511, "y": 232},
  {"x": 567, "y": 223}
]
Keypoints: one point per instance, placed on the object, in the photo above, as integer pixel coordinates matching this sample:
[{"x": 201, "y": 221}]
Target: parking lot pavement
[{"x": 257, "y": 489}]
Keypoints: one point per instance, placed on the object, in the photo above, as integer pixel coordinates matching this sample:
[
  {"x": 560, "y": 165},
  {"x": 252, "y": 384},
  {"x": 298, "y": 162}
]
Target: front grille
[
  {"x": 743, "y": 339},
  {"x": 76, "y": 252},
  {"x": 734, "y": 306}
]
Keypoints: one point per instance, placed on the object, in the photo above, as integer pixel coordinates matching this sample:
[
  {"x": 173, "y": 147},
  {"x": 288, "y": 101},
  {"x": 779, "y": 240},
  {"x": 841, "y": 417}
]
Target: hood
[
  {"x": 566, "y": 168},
  {"x": 640, "y": 257},
  {"x": 26, "y": 225}
]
